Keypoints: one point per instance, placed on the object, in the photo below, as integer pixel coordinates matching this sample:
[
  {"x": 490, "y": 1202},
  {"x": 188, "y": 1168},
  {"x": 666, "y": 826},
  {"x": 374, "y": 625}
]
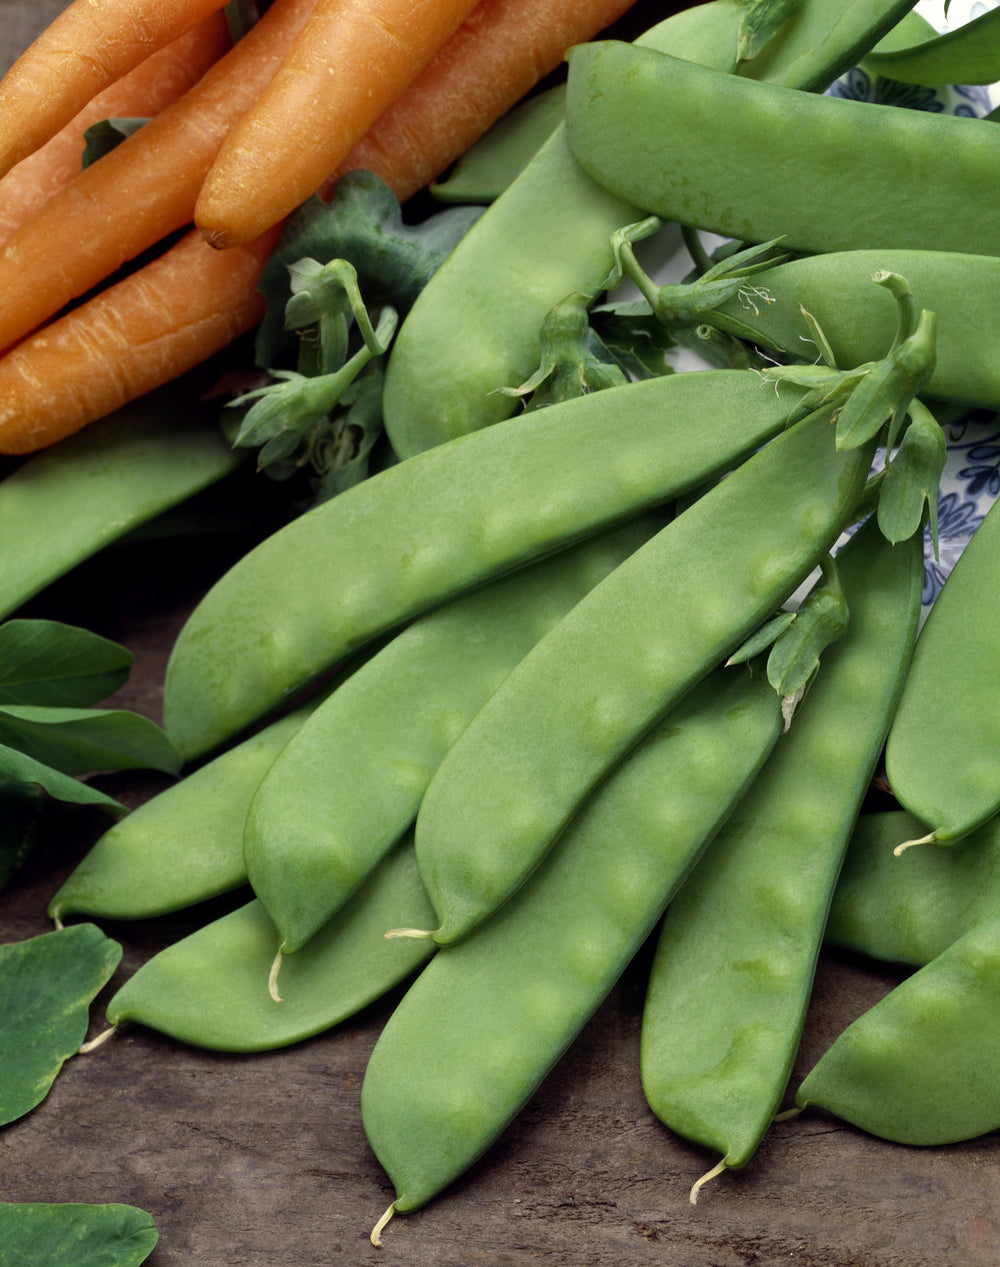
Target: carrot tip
[{"x": 218, "y": 238}]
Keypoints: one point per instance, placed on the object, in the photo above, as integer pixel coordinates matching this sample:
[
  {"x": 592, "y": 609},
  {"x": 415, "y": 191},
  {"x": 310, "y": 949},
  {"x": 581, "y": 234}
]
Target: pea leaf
[
  {"x": 20, "y": 809},
  {"x": 241, "y": 15},
  {"x": 105, "y": 135},
  {"x": 794, "y": 658},
  {"x": 912, "y": 477},
  {"x": 86, "y": 740},
  {"x": 362, "y": 224},
  {"x": 38, "y": 1234},
  {"x": 47, "y": 984},
  {"x": 764, "y": 637},
  {"x": 17, "y": 766},
  {"x": 47, "y": 662}
]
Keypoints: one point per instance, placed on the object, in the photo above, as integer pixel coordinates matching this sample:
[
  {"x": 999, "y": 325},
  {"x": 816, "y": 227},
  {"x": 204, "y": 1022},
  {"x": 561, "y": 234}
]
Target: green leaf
[
  {"x": 47, "y": 662},
  {"x": 762, "y": 638},
  {"x": 20, "y": 810},
  {"x": 47, "y": 984},
  {"x": 912, "y": 476},
  {"x": 821, "y": 619},
  {"x": 634, "y": 337},
  {"x": 241, "y": 15},
  {"x": 362, "y": 224},
  {"x": 102, "y": 137},
  {"x": 18, "y": 766},
  {"x": 37, "y": 1234},
  {"x": 87, "y": 740}
]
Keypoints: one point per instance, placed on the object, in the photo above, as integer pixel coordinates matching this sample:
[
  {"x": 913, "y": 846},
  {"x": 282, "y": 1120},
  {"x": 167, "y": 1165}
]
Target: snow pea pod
[
  {"x": 349, "y": 783},
  {"x": 733, "y": 969},
  {"x": 969, "y": 54},
  {"x": 475, "y": 327},
  {"x": 485, "y": 1020},
  {"x": 920, "y": 1066},
  {"x": 210, "y": 988},
  {"x": 484, "y": 171},
  {"x": 859, "y": 320},
  {"x": 94, "y": 487},
  {"x": 425, "y": 530},
  {"x": 549, "y": 235},
  {"x": 950, "y": 705},
  {"x": 182, "y": 846},
  {"x": 908, "y": 910},
  {"x": 758, "y": 161},
  {"x": 590, "y": 688}
]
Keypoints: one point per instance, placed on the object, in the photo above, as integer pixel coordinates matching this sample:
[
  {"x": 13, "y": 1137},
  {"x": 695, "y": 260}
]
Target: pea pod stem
[
  {"x": 691, "y": 304},
  {"x": 832, "y": 293},
  {"x": 877, "y": 393}
]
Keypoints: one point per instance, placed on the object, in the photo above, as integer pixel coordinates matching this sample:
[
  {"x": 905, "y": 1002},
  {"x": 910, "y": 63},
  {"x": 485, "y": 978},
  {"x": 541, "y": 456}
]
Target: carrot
[
  {"x": 142, "y": 190},
  {"x": 163, "y": 319},
  {"x": 187, "y": 304},
  {"x": 83, "y": 50},
  {"x": 144, "y": 91},
  {"x": 498, "y": 54},
  {"x": 351, "y": 61}
]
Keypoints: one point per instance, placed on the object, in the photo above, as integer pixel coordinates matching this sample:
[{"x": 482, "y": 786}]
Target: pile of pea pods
[{"x": 564, "y": 678}]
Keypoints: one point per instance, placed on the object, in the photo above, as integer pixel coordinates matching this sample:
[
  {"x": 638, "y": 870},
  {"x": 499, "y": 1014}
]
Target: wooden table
[{"x": 262, "y": 1159}]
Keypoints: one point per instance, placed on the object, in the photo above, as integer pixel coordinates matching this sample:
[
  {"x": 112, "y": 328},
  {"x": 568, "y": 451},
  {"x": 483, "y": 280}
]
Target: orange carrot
[
  {"x": 142, "y": 190},
  {"x": 162, "y": 320},
  {"x": 191, "y": 301},
  {"x": 83, "y": 50},
  {"x": 351, "y": 61},
  {"x": 144, "y": 91},
  {"x": 496, "y": 56}
]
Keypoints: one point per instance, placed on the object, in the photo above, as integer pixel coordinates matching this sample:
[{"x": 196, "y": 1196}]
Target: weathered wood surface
[{"x": 262, "y": 1159}]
